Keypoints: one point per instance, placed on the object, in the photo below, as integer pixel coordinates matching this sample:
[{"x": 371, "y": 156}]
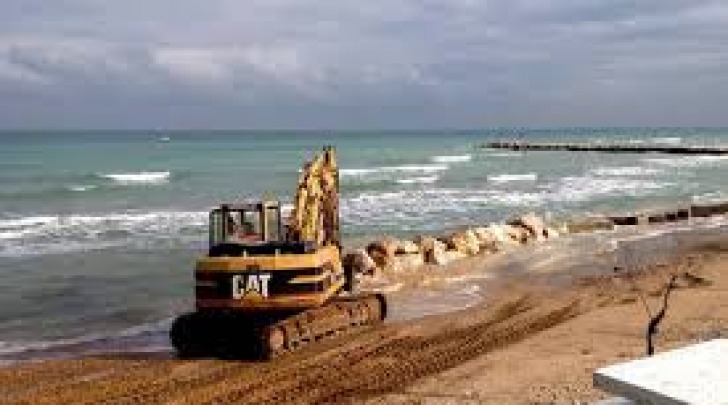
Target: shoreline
[
  {"x": 461, "y": 284},
  {"x": 556, "y": 332}
]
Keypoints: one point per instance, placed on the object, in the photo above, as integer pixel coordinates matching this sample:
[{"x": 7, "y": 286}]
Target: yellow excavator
[{"x": 267, "y": 285}]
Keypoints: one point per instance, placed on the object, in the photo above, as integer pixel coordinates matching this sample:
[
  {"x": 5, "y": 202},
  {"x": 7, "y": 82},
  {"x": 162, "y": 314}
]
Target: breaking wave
[
  {"x": 626, "y": 171},
  {"x": 667, "y": 140},
  {"x": 711, "y": 197},
  {"x": 452, "y": 158},
  {"x": 505, "y": 178},
  {"x": 429, "y": 208},
  {"x": 81, "y": 187},
  {"x": 505, "y": 154},
  {"x": 37, "y": 235},
  {"x": 404, "y": 174},
  {"x": 418, "y": 180},
  {"x": 587, "y": 188},
  {"x": 138, "y": 177},
  {"x": 688, "y": 161},
  {"x": 433, "y": 168}
]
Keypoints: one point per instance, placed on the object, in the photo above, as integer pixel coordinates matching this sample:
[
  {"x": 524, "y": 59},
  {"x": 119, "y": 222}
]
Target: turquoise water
[{"x": 98, "y": 230}]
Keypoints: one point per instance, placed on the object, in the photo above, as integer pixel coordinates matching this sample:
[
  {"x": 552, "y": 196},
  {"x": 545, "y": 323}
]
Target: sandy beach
[
  {"x": 409, "y": 203},
  {"x": 537, "y": 338}
]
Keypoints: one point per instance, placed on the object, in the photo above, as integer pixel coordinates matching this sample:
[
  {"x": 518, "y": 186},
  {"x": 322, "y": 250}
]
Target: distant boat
[{"x": 164, "y": 139}]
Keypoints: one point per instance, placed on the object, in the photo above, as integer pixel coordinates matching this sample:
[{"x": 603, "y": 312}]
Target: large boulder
[
  {"x": 473, "y": 242},
  {"x": 430, "y": 248},
  {"x": 405, "y": 262},
  {"x": 360, "y": 262},
  {"x": 486, "y": 239},
  {"x": 499, "y": 233},
  {"x": 496, "y": 236},
  {"x": 531, "y": 223},
  {"x": 516, "y": 234},
  {"x": 447, "y": 256},
  {"x": 465, "y": 242},
  {"x": 382, "y": 251},
  {"x": 552, "y": 233},
  {"x": 407, "y": 247}
]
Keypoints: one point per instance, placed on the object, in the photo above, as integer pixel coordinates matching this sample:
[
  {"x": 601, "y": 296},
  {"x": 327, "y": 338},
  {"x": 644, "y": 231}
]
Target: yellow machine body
[{"x": 269, "y": 284}]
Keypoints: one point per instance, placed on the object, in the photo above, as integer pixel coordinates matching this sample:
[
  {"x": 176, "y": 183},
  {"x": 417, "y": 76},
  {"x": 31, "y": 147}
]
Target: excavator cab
[
  {"x": 252, "y": 229},
  {"x": 246, "y": 223}
]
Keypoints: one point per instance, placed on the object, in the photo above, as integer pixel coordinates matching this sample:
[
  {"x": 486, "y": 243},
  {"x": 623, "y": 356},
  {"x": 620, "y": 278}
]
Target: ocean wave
[
  {"x": 418, "y": 180},
  {"x": 428, "y": 209},
  {"x": 81, "y": 187},
  {"x": 38, "y": 235},
  {"x": 588, "y": 188},
  {"x": 505, "y": 154},
  {"x": 711, "y": 197},
  {"x": 138, "y": 177},
  {"x": 666, "y": 140},
  {"x": 106, "y": 342},
  {"x": 688, "y": 161},
  {"x": 506, "y": 178},
  {"x": 427, "y": 168},
  {"x": 452, "y": 158},
  {"x": 626, "y": 171}
]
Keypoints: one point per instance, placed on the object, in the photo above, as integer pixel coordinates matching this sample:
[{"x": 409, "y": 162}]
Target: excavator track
[{"x": 235, "y": 335}]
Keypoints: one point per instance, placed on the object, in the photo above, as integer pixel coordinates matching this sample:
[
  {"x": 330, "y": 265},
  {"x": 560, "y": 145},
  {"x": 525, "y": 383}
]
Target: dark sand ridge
[{"x": 534, "y": 338}]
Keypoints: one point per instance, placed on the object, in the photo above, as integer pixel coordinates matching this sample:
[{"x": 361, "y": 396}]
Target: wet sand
[{"x": 535, "y": 338}]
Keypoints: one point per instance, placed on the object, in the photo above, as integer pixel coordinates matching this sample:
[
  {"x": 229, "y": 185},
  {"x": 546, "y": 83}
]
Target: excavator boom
[{"x": 315, "y": 215}]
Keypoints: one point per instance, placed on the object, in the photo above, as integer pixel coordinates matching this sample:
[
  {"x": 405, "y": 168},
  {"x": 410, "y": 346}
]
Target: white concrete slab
[{"x": 696, "y": 374}]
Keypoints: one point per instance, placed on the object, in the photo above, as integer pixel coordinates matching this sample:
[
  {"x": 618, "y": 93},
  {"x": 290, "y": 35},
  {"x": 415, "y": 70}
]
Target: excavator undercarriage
[
  {"x": 267, "y": 287},
  {"x": 264, "y": 335}
]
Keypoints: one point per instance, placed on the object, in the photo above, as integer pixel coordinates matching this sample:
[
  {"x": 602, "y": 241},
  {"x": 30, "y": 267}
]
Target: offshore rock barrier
[
  {"x": 607, "y": 148},
  {"x": 394, "y": 255}
]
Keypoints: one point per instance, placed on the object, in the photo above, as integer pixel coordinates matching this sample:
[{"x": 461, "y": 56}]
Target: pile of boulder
[{"x": 390, "y": 254}]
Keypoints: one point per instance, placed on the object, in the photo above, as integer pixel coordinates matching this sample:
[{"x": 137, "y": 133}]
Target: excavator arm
[{"x": 315, "y": 215}]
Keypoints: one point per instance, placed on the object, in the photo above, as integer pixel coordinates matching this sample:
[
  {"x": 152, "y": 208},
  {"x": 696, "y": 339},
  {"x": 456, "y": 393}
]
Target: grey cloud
[{"x": 284, "y": 63}]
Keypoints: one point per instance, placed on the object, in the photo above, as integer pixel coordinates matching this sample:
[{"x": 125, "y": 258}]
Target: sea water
[{"x": 99, "y": 229}]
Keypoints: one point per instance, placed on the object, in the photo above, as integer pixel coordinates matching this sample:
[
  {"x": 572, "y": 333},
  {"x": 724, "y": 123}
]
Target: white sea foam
[
  {"x": 25, "y": 222},
  {"x": 452, "y": 158},
  {"x": 418, "y": 180},
  {"x": 626, "y": 171},
  {"x": 81, "y": 188},
  {"x": 505, "y": 178},
  {"x": 37, "y": 235},
  {"x": 667, "y": 140},
  {"x": 428, "y": 168},
  {"x": 429, "y": 208},
  {"x": 138, "y": 177},
  {"x": 505, "y": 154},
  {"x": 587, "y": 188},
  {"x": 712, "y": 197},
  {"x": 688, "y": 161}
]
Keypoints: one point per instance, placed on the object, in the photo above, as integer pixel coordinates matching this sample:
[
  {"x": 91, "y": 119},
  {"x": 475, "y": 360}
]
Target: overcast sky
[{"x": 362, "y": 64}]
